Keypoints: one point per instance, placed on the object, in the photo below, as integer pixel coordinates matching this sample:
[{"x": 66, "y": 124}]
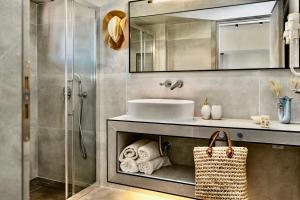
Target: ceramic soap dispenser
[{"x": 205, "y": 110}]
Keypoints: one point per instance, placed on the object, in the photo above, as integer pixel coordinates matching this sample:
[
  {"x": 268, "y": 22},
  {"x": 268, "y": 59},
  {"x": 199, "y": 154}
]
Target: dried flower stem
[{"x": 276, "y": 89}]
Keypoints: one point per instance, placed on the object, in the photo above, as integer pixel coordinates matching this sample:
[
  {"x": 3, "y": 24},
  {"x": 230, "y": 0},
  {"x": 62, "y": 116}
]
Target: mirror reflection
[{"x": 240, "y": 36}]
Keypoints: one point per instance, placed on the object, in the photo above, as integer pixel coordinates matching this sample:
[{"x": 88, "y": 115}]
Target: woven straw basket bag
[{"x": 220, "y": 172}]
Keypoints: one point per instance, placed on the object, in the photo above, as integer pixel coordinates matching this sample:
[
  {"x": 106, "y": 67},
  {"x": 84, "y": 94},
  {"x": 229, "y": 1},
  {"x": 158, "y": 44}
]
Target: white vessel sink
[{"x": 161, "y": 109}]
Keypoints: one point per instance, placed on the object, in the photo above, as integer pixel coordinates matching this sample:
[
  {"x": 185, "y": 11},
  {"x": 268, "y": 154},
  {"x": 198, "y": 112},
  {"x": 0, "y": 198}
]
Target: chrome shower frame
[{"x": 66, "y": 99}]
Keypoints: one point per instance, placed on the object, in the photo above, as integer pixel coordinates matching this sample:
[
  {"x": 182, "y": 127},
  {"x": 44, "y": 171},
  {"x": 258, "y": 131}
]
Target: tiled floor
[
  {"x": 100, "y": 193},
  {"x": 46, "y": 193},
  {"x": 42, "y": 189}
]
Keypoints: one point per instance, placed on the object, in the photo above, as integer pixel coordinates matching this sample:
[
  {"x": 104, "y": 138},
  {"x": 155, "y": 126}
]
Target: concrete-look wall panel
[{"x": 11, "y": 95}]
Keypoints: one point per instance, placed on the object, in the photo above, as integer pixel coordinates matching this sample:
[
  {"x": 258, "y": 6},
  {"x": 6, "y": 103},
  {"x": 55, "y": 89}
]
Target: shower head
[
  {"x": 41, "y": 1},
  {"x": 81, "y": 93},
  {"x": 77, "y": 77}
]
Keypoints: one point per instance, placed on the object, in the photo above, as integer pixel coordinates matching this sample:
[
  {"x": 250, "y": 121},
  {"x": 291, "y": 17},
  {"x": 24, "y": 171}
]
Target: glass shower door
[{"x": 81, "y": 107}]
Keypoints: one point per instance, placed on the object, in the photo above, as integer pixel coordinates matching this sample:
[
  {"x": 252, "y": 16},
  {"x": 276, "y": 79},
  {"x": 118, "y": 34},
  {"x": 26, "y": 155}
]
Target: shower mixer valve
[{"x": 69, "y": 92}]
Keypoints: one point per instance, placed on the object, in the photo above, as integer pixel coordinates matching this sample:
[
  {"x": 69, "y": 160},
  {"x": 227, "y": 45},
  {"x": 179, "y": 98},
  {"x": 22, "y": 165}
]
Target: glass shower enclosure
[{"x": 59, "y": 81}]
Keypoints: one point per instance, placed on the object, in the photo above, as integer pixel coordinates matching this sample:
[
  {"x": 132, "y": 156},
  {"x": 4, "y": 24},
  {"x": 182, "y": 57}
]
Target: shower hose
[{"x": 81, "y": 139}]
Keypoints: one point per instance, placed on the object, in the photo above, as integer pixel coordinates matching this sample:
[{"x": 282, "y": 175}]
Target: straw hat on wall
[{"x": 114, "y": 24}]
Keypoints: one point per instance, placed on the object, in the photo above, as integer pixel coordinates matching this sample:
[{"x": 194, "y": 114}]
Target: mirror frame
[{"x": 286, "y": 49}]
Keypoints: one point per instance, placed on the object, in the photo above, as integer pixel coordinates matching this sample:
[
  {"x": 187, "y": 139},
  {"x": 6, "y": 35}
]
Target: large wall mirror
[{"x": 188, "y": 35}]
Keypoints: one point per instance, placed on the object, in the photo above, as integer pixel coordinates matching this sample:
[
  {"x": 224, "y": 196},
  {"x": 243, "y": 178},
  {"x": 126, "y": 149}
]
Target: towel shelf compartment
[{"x": 181, "y": 156}]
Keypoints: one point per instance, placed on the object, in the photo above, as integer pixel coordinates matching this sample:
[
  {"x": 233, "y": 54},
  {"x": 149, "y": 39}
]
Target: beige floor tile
[{"x": 101, "y": 193}]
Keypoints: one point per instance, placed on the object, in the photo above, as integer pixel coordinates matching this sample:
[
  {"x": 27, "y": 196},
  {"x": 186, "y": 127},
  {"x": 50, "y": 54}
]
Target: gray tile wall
[
  {"x": 241, "y": 93},
  {"x": 113, "y": 78},
  {"x": 50, "y": 81},
  {"x": 10, "y": 107}
]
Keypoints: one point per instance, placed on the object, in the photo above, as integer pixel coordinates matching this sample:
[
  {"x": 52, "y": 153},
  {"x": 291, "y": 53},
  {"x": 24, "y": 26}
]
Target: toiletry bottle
[
  {"x": 216, "y": 112},
  {"x": 205, "y": 110}
]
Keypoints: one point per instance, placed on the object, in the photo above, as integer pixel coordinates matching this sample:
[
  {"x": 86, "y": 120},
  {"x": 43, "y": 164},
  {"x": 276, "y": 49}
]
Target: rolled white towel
[
  {"x": 148, "y": 152},
  {"x": 150, "y": 166},
  {"x": 131, "y": 151},
  {"x": 129, "y": 165}
]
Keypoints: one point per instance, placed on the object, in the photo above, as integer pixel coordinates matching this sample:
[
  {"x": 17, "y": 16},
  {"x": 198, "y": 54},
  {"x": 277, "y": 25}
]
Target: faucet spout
[{"x": 178, "y": 84}]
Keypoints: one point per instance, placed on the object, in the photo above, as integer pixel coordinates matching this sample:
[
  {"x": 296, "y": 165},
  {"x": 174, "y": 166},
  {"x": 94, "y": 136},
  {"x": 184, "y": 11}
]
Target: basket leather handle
[{"x": 212, "y": 141}]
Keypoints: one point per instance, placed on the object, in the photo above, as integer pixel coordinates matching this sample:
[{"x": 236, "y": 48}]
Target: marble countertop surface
[{"x": 224, "y": 123}]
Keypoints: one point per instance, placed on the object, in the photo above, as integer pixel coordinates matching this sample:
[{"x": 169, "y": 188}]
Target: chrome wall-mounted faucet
[
  {"x": 178, "y": 84},
  {"x": 167, "y": 84}
]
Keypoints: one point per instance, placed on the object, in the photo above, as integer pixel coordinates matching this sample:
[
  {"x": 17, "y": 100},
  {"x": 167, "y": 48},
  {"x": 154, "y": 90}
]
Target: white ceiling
[{"x": 230, "y": 12}]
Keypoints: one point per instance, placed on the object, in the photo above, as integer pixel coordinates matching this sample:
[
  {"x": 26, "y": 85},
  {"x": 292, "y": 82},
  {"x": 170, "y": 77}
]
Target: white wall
[{"x": 245, "y": 46}]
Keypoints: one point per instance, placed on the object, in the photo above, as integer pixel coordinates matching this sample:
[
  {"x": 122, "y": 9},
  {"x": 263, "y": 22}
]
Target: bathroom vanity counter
[
  {"x": 183, "y": 137},
  {"x": 224, "y": 123},
  {"x": 239, "y": 129}
]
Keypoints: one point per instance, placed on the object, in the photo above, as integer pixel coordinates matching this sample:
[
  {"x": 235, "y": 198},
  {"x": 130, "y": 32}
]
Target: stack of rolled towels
[{"x": 142, "y": 156}]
